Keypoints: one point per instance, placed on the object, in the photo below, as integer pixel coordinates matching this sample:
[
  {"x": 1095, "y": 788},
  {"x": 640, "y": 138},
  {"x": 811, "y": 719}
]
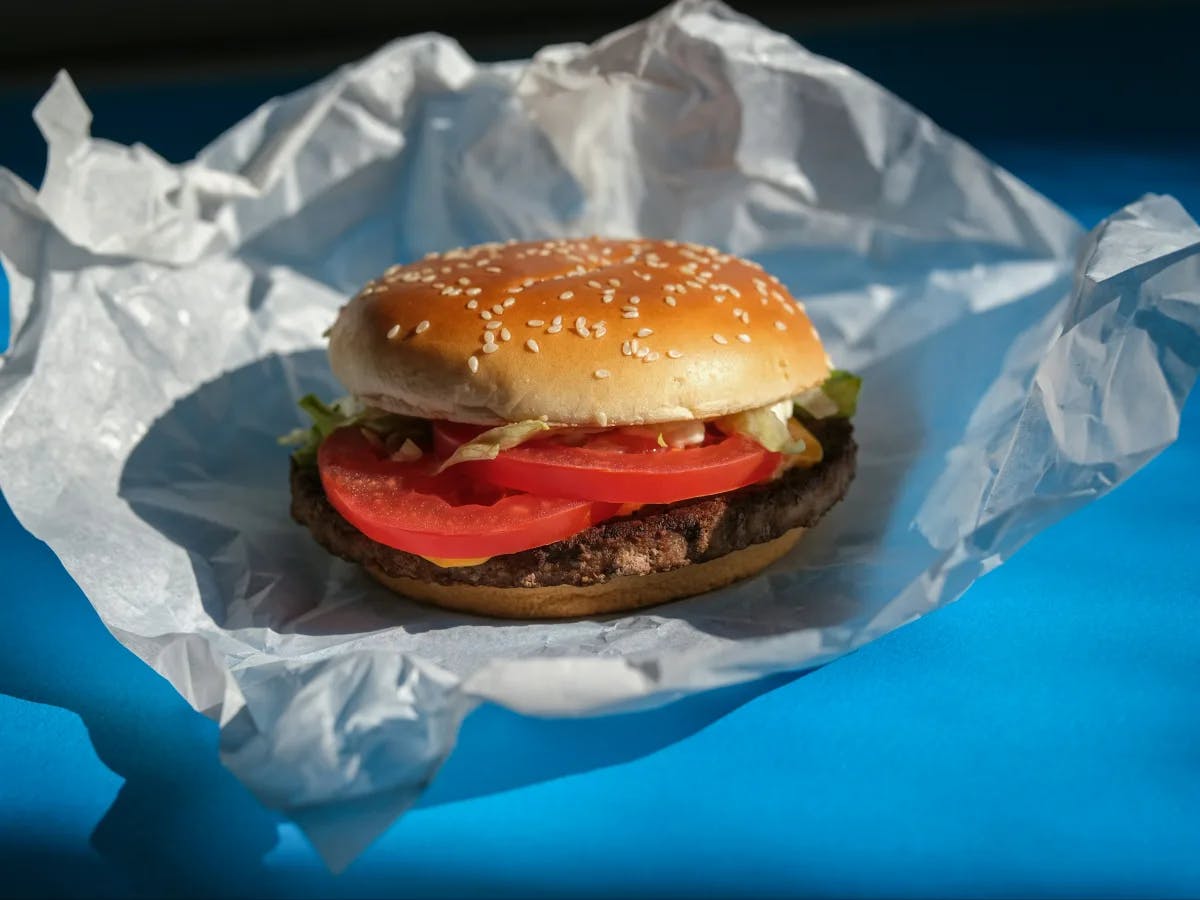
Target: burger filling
[{"x": 459, "y": 494}]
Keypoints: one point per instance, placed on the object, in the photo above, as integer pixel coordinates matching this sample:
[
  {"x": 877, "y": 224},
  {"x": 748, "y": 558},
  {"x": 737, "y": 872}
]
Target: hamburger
[{"x": 572, "y": 427}]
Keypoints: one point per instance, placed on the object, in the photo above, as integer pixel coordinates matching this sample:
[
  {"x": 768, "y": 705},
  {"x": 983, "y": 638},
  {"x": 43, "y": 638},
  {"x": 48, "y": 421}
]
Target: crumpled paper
[{"x": 166, "y": 318}]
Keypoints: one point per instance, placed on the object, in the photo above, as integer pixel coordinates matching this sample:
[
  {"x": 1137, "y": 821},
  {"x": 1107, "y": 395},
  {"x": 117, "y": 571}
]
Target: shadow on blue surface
[
  {"x": 181, "y": 824},
  {"x": 176, "y": 796}
]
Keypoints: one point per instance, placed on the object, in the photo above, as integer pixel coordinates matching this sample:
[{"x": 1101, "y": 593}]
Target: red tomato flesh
[
  {"x": 598, "y": 469},
  {"x": 452, "y": 515}
]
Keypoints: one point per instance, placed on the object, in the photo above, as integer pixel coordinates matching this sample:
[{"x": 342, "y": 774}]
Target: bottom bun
[{"x": 622, "y": 593}]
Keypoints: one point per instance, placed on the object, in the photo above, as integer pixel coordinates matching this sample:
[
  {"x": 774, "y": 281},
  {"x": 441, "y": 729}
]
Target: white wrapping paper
[{"x": 166, "y": 318}]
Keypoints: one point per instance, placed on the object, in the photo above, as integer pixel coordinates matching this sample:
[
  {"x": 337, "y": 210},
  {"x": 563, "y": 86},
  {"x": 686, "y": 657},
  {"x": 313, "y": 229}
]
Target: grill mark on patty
[{"x": 656, "y": 538}]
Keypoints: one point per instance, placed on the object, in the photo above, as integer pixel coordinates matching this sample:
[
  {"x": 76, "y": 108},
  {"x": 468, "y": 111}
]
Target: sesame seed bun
[{"x": 577, "y": 332}]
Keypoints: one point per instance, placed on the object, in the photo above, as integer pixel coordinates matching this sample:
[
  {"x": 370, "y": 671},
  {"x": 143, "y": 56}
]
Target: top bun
[{"x": 576, "y": 332}]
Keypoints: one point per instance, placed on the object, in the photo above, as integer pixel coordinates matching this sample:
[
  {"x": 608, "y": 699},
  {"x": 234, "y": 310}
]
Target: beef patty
[{"x": 656, "y": 538}]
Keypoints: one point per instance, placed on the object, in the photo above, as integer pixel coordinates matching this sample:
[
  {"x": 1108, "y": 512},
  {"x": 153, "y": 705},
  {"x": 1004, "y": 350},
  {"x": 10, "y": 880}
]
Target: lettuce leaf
[
  {"x": 489, "y": 444},
  {"x": 766, "y": 425},
  {"x": 836, "y": 397},
  {"x": 329, "y": 417}
]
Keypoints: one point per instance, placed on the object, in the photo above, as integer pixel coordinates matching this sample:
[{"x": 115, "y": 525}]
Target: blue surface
[{"x": 1038, "y": 737}]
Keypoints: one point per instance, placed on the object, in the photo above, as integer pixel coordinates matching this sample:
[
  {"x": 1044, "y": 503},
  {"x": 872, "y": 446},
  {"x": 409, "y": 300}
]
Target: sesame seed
[
  {"x": 670, "y": 301},
  {"x": 498, "y": 309},
  {"x": 594, "y": 284},
  {"x": 633, "y": 345},
  {"x": 422, "y": 326},
  {"x": 393, "y": 331},
  {"x": 744, "y": 338},
  {"x": 515, "y": 289},
  {"x": 645, "y": 332},
  {"x": 745, "y": 317},
  {"x": 780, "y": 326},
  {"x": 492, "y": 325},
  {"x": 464, "y": 281},
  {"x": 599, "y": 330},
  {"x": 554, "y": 329},
  {"x": 720, "y": 298},
  {"x": 629, "y": 314},
  {"x": 670, "y": 288},
  {"x": 428, "y": 279},
  {"x": 473, "y": 363},
  {"x": 472, "y": 304},
  {"x": 642, "y": 352},
  {"x": 392, "y": 270},
  {"x": 566, "y": 295},
  {"x": 490, "y": 348},
  {"x": 581, "y": 326},
  {"x": 496, "y": 270},
  {"x": 486, "y": 314},
  {"x": 505, "y": 334},
  {"x": 528, "y": 282},
  {"x": 489, "y": 337},
  {"x": 473, "y": 292},
  {"x": 607, "y": 298},
  {"x": 626, "y": 349},
  {"x": 650, "y": 357},
  {"x": 791, "y": 310},
  {"x": 532, "y": 345},
  {"x": 557, "y": 320},
  {"x": 509, "y": 302},
  {"x": 674, "y": 354},
  {"x": 737, "y": 311},
  {"x": 535, "y": 323},
  {"x": 601, "y": 373},
  {"x": 635, "y": 300},
  {"x": 720, "y": 339},
  {"x": 615, "y": 282}
]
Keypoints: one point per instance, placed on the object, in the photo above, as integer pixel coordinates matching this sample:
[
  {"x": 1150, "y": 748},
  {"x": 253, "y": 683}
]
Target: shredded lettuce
[
  {"x": 836, "y": 397},
  {"x": 329, "y": 417},
  {"x": 489, "y": 444},
  {"x": 769, "y": 426},
  {"x": 764, "y": 425},
  {"x": 407, "y": 452}
]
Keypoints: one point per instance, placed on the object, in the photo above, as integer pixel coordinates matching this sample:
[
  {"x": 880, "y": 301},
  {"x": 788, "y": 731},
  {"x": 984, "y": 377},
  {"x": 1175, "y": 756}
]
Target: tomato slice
[
  {"x": 599, "y": 469},
  {"x": 408, "y": 506}
]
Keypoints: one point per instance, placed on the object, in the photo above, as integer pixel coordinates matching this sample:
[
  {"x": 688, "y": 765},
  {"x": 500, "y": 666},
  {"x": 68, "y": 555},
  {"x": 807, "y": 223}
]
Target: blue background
[{"x": 1041, "y": 736}]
